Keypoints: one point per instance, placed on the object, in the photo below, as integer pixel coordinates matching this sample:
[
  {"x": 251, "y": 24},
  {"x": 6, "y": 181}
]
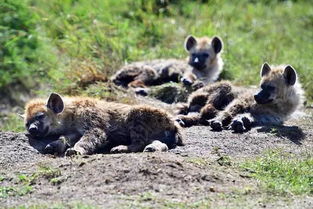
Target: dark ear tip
[
  {"x": 190, "y": 36},
  {"x": 217, "y": 38},
  {"x": 55, "y": 94},
  {"x": 290, "y": 67},
  {"x": 265, "y": 64}
]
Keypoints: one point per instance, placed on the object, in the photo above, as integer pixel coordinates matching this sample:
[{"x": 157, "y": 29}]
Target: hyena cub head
[
  {"x": 277, "y": 84},
  {"x": 203, "y": 52},
  {"x": 41, "y": 117}
]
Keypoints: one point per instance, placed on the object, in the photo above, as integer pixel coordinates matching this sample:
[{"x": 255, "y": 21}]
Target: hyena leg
[
  {"x": 138, "y": 137},
  {"x": 156, "y": 146},
  {"x": 59, "y": 146},
  {"x": 90, "y": 142},
  {"x": 181, "y": 109},
  {"x": 207, "y": 112},
  {"x": 148, "y": 75},
  {"x": 188, "y": 120},
  {"x": 242, "y": 123},
  {"x": 225, "y": 117}
]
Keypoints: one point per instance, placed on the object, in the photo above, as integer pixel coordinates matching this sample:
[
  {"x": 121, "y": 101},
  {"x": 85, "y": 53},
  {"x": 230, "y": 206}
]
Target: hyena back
[
  {"x": 280, "y": 96},
  {"x": 204, "y": 66},
  {"x": 86, "y": 125}
]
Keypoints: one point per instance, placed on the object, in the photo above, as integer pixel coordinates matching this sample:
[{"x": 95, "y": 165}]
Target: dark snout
[
  {"x": 197, "y": 62},
  {"x": 36, "y": 129},
  {"x": 33, "y": 129},
  {"x": 263, "y": 97}
]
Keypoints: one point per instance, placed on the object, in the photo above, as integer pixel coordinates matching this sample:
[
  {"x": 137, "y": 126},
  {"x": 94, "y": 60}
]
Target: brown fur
[
  {"x": 160, "y": 71},
  {"x": 205, "y": 103},
  {"x": 244, "y": 112},
  {"x": 87, "y": 125}
]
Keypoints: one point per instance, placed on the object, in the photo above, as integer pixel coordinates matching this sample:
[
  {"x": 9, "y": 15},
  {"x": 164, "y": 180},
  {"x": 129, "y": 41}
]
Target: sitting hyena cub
[
  {"x": 204, "y": 66},
  {"x": 86, "y": 125},
  {"x": 280, "y": 96}
]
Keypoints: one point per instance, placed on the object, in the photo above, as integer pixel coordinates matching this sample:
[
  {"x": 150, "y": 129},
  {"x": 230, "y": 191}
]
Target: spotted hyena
[
  {"x": 86, "y": 125},
  {"x": 204, "y": 66}
]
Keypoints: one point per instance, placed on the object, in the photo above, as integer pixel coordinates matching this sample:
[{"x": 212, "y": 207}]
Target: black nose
[
  {"x": 186, "y": 82},
  {"x": 33, "y": 130},
  {"x": 257, "y": 98}
]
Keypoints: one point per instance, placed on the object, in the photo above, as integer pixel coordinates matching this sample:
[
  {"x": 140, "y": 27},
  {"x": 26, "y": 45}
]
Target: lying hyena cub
[
  {"x": 280, "y": 96},
  {"x": 205, "y": 65},
  {"x": 86, "y": 125},
  {"x": 205, "y": 103}
]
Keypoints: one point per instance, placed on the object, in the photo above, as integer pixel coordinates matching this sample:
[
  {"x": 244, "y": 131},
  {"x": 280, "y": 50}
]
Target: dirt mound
[{"x": 200, "y": 172}]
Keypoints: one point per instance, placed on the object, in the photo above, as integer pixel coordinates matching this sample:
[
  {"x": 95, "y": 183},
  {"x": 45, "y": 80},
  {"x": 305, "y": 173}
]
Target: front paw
[
  {"x": 216, "y": 125},
  {"x": 197, "y": 85},
  {"x": 241, "y": 125},
  {"x": 142, "y": 91},
  {"x": 71, "y": 152},
  {"x": 237, "y": 126},
  {"x": 119, "y": 149},
  {"x": 56, "y": 147},
  {"x": 75, "y": 151},
  {"x": 180, "y": 120}
]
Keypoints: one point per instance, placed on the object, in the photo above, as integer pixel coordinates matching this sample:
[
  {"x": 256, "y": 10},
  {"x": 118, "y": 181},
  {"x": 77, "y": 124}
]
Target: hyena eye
[
  {"x": 271, "y": 88},
  {"x": 206, "y": 55},
  {"x": 40, "y": 117}
]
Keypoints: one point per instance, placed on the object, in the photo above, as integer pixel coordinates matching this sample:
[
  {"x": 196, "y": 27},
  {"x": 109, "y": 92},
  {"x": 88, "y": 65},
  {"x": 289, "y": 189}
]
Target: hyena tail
[{"x": 179, "y": 135}]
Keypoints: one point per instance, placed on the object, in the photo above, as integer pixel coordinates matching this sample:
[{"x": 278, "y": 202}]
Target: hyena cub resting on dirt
[
  {"x": 205, "y": 103},
  {"x": 204, "y": 66},
  {"x": 280, "y": 96},
  {"x": 85, "y": 125}
]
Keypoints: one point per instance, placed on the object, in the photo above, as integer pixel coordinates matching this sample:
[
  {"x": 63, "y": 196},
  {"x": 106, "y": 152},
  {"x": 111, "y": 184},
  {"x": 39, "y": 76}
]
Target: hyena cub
[
  {"x": 205, "y": 103},
  {"x": 85, "y": 125},
  {"x": 205, "y": 64},
  {"x": 280, "y": 95}
]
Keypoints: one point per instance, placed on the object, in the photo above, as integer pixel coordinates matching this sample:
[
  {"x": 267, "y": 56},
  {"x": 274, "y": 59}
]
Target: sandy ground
[{"x": 203, "y": 173}]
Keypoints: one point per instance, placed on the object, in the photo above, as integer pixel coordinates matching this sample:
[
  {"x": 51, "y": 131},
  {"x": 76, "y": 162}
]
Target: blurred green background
[{"x": 69, "y": 46}]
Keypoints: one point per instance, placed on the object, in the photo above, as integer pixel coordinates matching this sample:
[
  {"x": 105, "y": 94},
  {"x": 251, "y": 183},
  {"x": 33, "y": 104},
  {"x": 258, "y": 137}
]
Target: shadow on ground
[{"x": 293, "y": 133}]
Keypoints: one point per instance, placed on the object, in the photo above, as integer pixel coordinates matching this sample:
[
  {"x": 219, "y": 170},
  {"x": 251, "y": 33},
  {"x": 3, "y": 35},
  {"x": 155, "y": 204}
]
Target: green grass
[
  {"x": 70, "y": 45},
  {"x": 11, "y": 122},
  {"x": 281, "y": 173},
  {"x": 73, "y": 205},
  {"x": 23, "y": 183},
  {"x": 6, "y": 191}
]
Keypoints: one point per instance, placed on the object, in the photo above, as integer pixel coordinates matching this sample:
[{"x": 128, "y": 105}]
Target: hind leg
[
  {"x": 207, "y": 112},
  {"x": 138, "y": 136},
  {"x": 242, "y": 123},
  {"x": 90, "y": 142},
  {"x": 188, "y": 120}
]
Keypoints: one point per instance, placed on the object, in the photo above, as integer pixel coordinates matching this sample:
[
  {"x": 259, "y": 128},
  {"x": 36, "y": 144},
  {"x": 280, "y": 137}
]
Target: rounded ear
[
  {"x": 55, "y": 103},
  {"x": 190, "y": 42},
  {"x": 265, "y": 69},
  {"x": 290, "y": 75},
  {"x": 217, "y": 44}
]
